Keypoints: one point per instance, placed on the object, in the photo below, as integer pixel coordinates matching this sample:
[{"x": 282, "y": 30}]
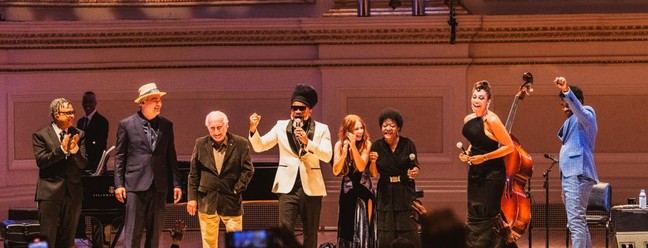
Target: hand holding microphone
[
  {"x": 298, "y": 123},
  {"x": 413, "y": 170},
  {"x": 463, "y": 156},
  {"x": 299, "y": 132}
]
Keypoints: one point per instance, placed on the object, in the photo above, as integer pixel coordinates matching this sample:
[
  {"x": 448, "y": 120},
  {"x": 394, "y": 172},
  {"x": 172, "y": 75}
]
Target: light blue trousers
[{"x": 576, "y": 190}]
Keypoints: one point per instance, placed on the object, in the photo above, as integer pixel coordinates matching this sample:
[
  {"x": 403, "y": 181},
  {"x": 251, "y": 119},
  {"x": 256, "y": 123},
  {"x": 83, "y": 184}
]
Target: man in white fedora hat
[{"x": 145, "y": 160}]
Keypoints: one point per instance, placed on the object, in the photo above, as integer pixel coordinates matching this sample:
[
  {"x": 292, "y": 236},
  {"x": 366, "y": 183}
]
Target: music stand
[{"x": 103, "y": 162}]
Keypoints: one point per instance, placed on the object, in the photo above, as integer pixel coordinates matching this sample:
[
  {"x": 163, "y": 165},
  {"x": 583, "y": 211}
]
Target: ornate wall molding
[
  {"x": 138, "y": 3},
  {"x": 327, "y": 31},
  {"x": 295, "y": 64}
]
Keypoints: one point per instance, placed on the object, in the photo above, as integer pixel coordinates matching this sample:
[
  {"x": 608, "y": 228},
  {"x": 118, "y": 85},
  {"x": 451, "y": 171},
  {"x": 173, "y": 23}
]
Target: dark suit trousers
[
  {"x": 58, "y": 221},
  {"x": 144, "y": 209},
  {"x": 308, "y": 207}
]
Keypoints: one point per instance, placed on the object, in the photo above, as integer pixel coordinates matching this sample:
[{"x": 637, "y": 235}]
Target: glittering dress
[{"x": 356, "y": 228}]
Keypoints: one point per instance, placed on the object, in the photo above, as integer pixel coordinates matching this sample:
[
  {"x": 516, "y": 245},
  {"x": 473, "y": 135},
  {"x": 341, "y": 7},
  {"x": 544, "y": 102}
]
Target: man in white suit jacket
[
  {"x": 303, "y": 142},
  {"x": 578, "y": 137}
]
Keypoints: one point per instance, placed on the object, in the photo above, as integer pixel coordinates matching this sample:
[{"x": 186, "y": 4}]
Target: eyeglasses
[
  {"x": 67, "y": 113},
  {"x": 300, "y": 108}
]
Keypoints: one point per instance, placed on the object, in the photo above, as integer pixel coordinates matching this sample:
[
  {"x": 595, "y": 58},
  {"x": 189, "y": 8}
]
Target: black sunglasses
[{"x": 300, "y": 108}]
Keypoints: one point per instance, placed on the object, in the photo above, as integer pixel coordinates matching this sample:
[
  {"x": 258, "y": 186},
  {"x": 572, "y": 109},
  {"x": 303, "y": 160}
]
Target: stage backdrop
[{"x": 358, "y": 65}]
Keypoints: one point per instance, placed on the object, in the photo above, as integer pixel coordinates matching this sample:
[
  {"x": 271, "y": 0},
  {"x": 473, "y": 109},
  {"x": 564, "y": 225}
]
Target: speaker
[
  {"x": 632, "y": 239},
  {"x": 631, "y": 220},
  {"x": 631, "y": 228}
]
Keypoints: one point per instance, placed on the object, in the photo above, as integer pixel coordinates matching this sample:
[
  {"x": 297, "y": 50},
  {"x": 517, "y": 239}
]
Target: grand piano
[
  {"x": 101, "y": 206},
  {"x": 103, "y": 209}
]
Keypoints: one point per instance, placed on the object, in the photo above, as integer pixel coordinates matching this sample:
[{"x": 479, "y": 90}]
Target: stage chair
[{"x": 599, "y": 210}]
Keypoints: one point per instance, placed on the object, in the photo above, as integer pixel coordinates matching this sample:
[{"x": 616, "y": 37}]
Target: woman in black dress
[
  {"x": 356, "y": 227},
  {"x": 396, "y": 193},
  {"x": 489, "y": 143}
]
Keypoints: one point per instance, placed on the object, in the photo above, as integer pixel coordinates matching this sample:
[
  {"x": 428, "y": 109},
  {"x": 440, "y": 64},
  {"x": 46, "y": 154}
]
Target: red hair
[{"x": 348, "y": 126}]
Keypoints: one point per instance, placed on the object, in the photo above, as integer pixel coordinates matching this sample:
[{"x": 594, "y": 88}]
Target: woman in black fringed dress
[
  {"x": 489, "y": 143},
  {"x": 356, "y": 227}
]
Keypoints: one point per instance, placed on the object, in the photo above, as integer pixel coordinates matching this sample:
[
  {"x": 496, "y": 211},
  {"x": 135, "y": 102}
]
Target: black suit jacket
[
  {"x": 216, "y": 192},
  {"x": 58, "y": 173},
  {"x": 96, "y": 135},
  {"x": 137, "y": 165}
]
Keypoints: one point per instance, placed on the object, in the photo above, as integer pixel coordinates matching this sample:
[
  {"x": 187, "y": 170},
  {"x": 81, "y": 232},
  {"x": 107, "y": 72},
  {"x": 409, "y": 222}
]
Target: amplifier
[
  {"x": 631, "y": 220},
  {"x": 631, "y": 227},
  {"x": 632, "y": 239}
]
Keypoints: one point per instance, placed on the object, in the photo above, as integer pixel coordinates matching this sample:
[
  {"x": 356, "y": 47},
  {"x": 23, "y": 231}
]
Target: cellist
[{"x": 489, "y": 143}]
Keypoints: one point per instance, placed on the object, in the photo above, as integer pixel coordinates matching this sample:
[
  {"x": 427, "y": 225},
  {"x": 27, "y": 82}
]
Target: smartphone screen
[
  {"x": 37, "y": 243},
  {"x": 248, "y": 238}
]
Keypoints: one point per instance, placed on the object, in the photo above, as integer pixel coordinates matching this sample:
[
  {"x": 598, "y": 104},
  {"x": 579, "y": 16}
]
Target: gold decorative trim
[
  {"x": 139, "y": 3},
  {"x": 429, "y": 30},
  {"x": 526, "y": 61}
]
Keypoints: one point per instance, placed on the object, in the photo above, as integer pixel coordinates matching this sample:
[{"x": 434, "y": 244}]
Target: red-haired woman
[{"x": 351, "y": 156}]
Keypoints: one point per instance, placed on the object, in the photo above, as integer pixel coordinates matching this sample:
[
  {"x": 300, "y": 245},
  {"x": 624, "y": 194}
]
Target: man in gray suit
[
  {"x": 578, "y": 136},
  {"x": 145, "y": 160},
  {"x": 60, "y": 155},
  {"x": 221, "y": 169}
]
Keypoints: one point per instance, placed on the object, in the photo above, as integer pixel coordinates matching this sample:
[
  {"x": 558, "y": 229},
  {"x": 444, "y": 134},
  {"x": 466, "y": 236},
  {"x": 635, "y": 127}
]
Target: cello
[{"x": 516, "y": 206}]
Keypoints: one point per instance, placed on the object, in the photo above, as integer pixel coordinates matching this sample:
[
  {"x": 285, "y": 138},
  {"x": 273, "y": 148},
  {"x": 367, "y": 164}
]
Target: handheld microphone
[
  {"x": 412, "y": 157},
  {"x": 548, "y": 156},
  {"x": 463, "y": 150},
  {"x": 460, "y": 146},
  {"x": 298, "y": 123}
]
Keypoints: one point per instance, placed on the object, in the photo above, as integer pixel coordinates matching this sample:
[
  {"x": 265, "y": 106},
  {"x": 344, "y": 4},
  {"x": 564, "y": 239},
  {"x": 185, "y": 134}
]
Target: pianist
[{"x": 60, "y": 155}]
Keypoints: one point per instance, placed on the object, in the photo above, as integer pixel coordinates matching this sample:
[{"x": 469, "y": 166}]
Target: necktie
[
  {"x": 84, "y": 123},
  {"x": 153, "y": 134},
  {"x": 62, "y": 135}
]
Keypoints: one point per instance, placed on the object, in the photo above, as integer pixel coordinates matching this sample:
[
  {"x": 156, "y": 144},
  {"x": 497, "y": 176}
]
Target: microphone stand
[{"x": 546, "y": 186}]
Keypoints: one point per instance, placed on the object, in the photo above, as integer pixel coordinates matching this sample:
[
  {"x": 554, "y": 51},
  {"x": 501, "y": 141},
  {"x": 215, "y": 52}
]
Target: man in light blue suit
[{"x": 578, "y": 136}]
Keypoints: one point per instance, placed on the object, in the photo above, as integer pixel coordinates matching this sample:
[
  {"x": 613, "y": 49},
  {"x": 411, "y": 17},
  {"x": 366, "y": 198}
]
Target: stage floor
[{"x": 556, "y": 239}]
